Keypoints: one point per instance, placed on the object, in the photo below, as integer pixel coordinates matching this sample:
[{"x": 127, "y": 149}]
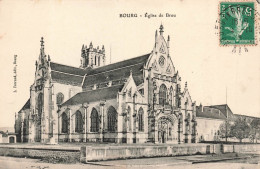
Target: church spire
[
  {"x": 168, "y": 41},
  {"x": 161, "y": 30},
  {"x": 42, "y": 46}
]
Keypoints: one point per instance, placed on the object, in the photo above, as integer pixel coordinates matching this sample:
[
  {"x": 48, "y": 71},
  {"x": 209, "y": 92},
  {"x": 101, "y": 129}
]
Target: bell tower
[{"x": 92, "y": 57}]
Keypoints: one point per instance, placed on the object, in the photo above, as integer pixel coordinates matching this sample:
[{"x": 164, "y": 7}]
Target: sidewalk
[{"x": 178, "y": 160}]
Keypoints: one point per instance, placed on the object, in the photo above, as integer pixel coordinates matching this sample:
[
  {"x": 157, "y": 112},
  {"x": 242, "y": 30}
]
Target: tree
[
  {"x": 225, "y": 129},
  {"x": 240, "y": 129},
  {"x": 255, "y": 130}
]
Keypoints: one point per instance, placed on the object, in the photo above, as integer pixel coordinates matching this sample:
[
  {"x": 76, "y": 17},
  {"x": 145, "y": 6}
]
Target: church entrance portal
[{"x": 167, "y": 130}]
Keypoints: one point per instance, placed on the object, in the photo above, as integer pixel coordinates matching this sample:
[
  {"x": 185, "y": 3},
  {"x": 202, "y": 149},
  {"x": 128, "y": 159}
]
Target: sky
[{"x": 214, "y": 74}]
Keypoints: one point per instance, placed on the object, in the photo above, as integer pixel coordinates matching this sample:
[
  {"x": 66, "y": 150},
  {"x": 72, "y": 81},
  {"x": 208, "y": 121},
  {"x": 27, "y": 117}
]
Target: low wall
[
  {"x": 241, "y": 148},
  {"x": 123, "y": 152},
  {"x": 41, "y": 153}
]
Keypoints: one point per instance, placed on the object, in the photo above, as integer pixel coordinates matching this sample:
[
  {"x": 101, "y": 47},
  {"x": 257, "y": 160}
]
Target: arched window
[
  {"x": 78, "y": 122},
  {"x": 64, "y": 123},
  {"x": 59, "y": 98},
  {"x": 162, "y": 95},
  {"x": 94, "y": 121},
  {"x": 99, "y": 61},
  {"x": 141, "y": 119},
  {"x": 112, "y": 119},
  {"x": 170, "y": 97}
]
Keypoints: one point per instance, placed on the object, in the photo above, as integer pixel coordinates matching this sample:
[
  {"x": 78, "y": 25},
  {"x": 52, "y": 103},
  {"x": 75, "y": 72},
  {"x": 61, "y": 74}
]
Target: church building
[{"x": 138, "y": 100}]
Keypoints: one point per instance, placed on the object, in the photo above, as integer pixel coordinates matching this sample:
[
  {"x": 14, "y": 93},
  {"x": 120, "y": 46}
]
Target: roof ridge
[
  {"x": 120, "y": 62},
  {"x": 113, "y": 69},
  {"x": 68, "y": 65},
  {"x": 67, "y": 73},
  {"x": 102, "y": 88}
]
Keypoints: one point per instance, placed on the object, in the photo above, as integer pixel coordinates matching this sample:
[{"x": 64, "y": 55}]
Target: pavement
[
  {"x": 229, "y": 160},
  {"x": 177, "y": 160}
]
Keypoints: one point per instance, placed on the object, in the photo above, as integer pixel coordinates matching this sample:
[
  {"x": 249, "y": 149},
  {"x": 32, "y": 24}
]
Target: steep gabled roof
[
  {"x": 117, "y": 71},
  {"x": 137, "y": 60},
  {"x": 27, "y": 105},
  {"x": 67, "y": 74},
  {"x": 67, "y": 69},
  {"x": 94, "y": 95},
  {"x": 67, "y": 78}
]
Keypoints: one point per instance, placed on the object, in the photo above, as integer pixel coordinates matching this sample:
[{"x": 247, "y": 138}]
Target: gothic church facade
[{"x": 137, "y": 100}]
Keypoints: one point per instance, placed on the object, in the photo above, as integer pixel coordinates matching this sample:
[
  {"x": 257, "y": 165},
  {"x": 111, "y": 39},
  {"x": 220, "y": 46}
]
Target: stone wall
[
  {"x": 41, "y": 153},
  {"x": 242, "y": 148},
  {"x": 123, "y": 152},
  {"x": 106, "y": 152}
]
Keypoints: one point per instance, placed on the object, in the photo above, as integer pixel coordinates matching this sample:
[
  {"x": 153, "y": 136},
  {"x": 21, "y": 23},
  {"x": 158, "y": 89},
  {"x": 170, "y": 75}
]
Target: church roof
[
  {"x": 113, "y": 72},
  {"x": 67, "y": 69},
  {"x": 94, "y": 95},
  {"x": 117, "y": 71},
  {"x": 26, "y": 105},
  {"x": 67, "y": 78},
  {"x": 67, "y": 74}
]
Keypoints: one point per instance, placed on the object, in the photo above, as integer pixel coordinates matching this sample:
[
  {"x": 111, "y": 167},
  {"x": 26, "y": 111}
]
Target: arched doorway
[
  {"x": 167, "y": 129},
  {"x": 39, "y": 117},
  {"x": 11, "y": 140}
]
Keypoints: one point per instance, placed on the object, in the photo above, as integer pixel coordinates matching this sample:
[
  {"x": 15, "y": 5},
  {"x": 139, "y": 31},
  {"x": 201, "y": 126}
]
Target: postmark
[{"x": 237, "y": 23}]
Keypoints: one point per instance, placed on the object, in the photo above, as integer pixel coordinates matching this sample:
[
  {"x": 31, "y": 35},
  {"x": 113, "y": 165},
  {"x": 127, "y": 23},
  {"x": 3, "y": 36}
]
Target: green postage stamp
[{"x": 237, "y": 23}]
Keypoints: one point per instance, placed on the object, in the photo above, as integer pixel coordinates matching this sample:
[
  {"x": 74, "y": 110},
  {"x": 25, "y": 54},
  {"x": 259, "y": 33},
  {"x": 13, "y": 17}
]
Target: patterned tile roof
[
  {"x": 117, "y": 71},
  {"x": 70, "y": 79},
  {"x": 67, "y": 69},
  {"x": 94, "y": 95}
]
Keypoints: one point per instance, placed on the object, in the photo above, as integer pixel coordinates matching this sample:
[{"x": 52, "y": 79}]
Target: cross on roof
[{"x": 42, "y": 42}]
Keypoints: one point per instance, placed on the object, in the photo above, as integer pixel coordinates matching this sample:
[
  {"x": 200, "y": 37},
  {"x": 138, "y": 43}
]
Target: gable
[{"x": 160, "y": 60}]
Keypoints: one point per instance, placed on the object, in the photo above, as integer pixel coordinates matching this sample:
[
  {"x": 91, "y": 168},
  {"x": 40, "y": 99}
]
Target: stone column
[
  {"x": 185, "y": 125},
  {"x": 156, "y": 140},
  {"x": 129, "y": 129},
  {"x": 85, "y": 108},
  {"x": 70, "y": 125},
  {"x": 120, "y": 119},
  {"x": 22, "y": 124},
  {"x": 88, "y": 113},
  {"x": 102, "y": 104}
]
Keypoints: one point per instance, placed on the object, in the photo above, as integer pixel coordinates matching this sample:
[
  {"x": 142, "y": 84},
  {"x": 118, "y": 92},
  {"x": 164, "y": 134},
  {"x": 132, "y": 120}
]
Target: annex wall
[{"x": 207, "y": 128}]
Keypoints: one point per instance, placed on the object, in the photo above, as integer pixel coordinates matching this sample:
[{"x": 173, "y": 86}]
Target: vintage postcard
[{"x": 130, "y": 84}]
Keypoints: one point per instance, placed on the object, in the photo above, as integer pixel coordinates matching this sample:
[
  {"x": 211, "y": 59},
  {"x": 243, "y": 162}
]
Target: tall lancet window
[
  {"x": 112, "y": 119},
  {"x": 163, "y": 95},
  {"x": 64, "y": 123},
  {"x": 94, "y": 121},
  {"x": 141, "y": 119},
  {"x": 78, "y": 122}
]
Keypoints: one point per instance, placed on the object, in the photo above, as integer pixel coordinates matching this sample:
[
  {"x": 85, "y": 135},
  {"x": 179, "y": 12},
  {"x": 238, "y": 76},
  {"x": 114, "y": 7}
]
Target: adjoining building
[
  {"x": 209, "y": 119},
  {"x": 133, "y": 101},
  {"x": 7, "y": 137}
]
